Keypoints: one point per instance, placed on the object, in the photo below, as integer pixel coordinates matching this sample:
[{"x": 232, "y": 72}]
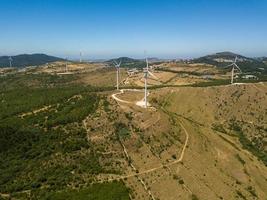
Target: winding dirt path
[
  {"x": 181, "y": 157},
  {"x": 45, "y": 108},
  {"x": 114, "y": 96},
  {"x": 140, "y": 103},
  {"x": 137, "y": 175}
]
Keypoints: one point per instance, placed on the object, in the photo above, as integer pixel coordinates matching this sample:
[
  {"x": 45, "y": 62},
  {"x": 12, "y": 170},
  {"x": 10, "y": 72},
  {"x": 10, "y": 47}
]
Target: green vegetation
[
  {"x": 218, "y": 82},
  {"x": 106, "y": 191},
  {"x": 247, "y": 144},
  {"x": 74, "y": 110},
  {"x": 128, "y": 62},
  {"x": 129, "y": 116},
  {"x": 43, "y": 144},
  {"x": 194, "y": 197},
  {"x": 218, "y": 127},
  {"x": 122, "y": 131},
  {"x": 28, "y": 60},
  {"x": 21, "y": 80},
  {"x": 106, "y": 105},
  {"x": 21, "y": 100},
  {"x": 252, "y": 191},
  {"x": 249, "y": 65},
  {"x": 214, "y": 82},
  {"x": 33, "y": 158}
]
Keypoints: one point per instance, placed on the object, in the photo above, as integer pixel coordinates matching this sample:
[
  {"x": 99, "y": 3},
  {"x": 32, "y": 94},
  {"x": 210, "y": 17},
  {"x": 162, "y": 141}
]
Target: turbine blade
[
  {"x": 227, "y": 67},
  {"x": 151, "y": 74},
  {"x": 238, "y": 68}
]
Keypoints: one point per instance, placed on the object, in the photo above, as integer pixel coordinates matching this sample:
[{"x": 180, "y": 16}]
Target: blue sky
[{"x": 110, "y": 28}]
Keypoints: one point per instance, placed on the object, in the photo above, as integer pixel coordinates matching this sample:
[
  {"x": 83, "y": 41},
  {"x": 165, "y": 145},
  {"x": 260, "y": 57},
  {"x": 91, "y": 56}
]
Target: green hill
[
  {"x": 128, "y": 62},
  {"x": 25, "y": 60},
  {"x": 223, "y": 59}
]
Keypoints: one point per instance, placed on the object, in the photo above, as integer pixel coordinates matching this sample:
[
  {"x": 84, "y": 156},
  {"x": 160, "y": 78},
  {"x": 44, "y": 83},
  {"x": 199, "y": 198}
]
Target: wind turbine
[
  {"x": 146, "y": 74},
  {"x": 117, "y": 65},
  {"x": 234, "y": 67},
  {"x": 10, "y": 61}
]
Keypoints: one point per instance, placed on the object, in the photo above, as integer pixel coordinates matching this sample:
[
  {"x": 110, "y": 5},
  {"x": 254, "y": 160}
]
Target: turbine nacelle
[
  {"x": 117, "y": 65},
  {"x": 234, "y": 65}
]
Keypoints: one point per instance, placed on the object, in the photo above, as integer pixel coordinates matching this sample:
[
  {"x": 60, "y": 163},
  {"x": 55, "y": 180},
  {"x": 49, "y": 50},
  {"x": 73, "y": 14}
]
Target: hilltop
[
  {"x": 25, "y": 60},
  {"x": 128, "y": 62},
  {"x": 222, "y": 59},
  {"x": 134, "y": 63}
]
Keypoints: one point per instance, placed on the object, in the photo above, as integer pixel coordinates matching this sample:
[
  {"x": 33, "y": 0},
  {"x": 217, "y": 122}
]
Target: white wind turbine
[
  {"x": 10, "y": 61},
  {"x": 234, "y": 67},
  {"x": 117, "y": 65},
  {"x": 146, "y": 74}
]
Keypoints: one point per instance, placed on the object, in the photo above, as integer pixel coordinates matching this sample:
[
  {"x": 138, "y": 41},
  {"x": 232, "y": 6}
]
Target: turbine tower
[
  {"x": 80, "y": 56},
  {"x": 234, "y": 67},
  {"x": 117, "y": 65},
  {"x": 10, "y": 61},
  {"x": 66, "y": 66},
  {"x": 146, "y": 74}
]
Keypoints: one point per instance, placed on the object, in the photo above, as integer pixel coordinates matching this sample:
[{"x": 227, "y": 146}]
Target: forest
[{"x": 43, "y": 144}]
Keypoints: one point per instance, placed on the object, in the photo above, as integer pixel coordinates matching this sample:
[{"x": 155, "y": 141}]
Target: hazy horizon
[{"x": 88, "y": 58}]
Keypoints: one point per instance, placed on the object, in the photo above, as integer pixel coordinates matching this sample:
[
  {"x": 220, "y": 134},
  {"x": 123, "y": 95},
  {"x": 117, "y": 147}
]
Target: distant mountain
[
  {"x": 123, "y": 60},
  {"x": 223, "y": 59},
  {"x": 128, "y": 62},
  {"x": 25, "y": 60},
  {"x": 154, "y": 59}
]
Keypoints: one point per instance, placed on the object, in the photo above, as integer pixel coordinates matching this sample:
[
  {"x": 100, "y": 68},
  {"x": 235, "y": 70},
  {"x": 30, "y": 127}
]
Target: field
[{"x": 70, "y": 135}]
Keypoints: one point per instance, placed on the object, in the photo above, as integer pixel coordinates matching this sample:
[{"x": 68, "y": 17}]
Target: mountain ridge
[
  {"x": 24, "y": 60},
  {"x": 222, "y": 59}
]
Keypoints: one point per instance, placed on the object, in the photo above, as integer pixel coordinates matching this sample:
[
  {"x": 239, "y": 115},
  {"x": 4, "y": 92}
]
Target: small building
[
  {"x": 249, "y": 76},
  {"x": 132, "y": 72}
]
